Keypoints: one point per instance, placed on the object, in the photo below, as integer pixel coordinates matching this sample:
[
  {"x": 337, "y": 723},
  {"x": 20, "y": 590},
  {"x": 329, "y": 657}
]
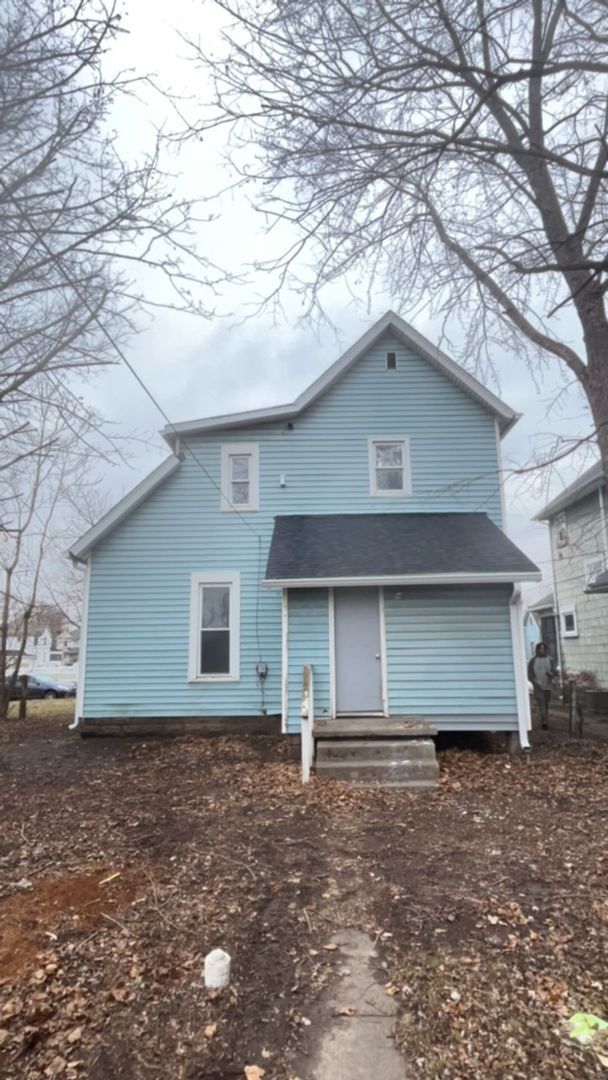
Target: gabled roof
[
  {"x": 588, "y": 482},
  {"x": 546, "y": 603},
  {"x": 109, "y": 521},
  {"x": 398, "y": 548},
  {"x": 389, "y": 322}
]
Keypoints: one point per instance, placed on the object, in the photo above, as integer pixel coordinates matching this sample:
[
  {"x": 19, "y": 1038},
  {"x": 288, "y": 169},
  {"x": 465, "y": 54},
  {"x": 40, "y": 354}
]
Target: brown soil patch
[{"x": 30, "y": 919}]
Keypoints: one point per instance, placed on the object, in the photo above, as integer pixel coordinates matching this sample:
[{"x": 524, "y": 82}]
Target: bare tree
[
  {"x": 78, "y": 224},
  {"x": 460, "y": 149},
  {"x": 38, "y": 511}
]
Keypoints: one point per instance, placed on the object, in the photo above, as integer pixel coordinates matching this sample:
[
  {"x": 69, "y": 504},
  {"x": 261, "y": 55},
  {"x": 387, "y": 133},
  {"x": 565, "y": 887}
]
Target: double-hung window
[
  {"x": 240, "y": 477},
  {"x": 389, "y": 466},
  {"x": 214, "y": 628},
  {"x": 568, "y": 621}
]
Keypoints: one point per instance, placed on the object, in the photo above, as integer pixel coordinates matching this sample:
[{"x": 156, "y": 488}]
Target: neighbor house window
[
  {"x": 568, "y": 621},
  {"x": 561, "y": 530},
  {"x": 240, "y": 477},
  {"x": 593, "y": 568},
  {"x": 391, "y": 361},
  {"x": 214, "y": 627},
  {"x": 389, "y": 466}
]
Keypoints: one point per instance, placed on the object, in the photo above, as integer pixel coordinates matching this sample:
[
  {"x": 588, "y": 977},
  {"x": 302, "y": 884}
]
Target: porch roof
[{"x": 383, "y": 549}]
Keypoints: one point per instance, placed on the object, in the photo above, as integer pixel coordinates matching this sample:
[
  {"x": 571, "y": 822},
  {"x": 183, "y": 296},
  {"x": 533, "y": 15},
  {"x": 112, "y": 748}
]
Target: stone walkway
[{"x": 355, "y": 1021}]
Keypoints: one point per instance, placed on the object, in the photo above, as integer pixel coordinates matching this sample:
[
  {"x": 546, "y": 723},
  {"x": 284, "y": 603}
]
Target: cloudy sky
[{"x": 235, "y": 360}]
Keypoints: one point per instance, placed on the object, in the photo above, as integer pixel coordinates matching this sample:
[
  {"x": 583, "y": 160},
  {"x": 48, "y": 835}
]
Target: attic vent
[{"x": 391, "y": 361}]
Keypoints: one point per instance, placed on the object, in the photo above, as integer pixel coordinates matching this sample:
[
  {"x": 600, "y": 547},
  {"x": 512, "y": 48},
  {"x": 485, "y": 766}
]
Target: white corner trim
[
  {"x": 498, "y": 578},
  {"x": 246, "y": 449},
  {"x": 232, "y": 578},
  {"x": 501, "y": 478},
  {"x": 524, "y": 719},
  {"x": 406, "y": 490},
  {"x": 390, "y": 321},
  {"x": 383, "y": 656},
  {"x": 123, "y": 508},
  {"x": 284, "y": 661},
  {"x": 332, "y": 653},
  {"x": 82, "y": 652}
]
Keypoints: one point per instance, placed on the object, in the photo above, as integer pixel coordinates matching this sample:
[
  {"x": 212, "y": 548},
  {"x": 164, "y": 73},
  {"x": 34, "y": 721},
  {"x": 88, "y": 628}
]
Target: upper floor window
[
  {"x": 561, "y": 530},
  {"x": 389, "y": 466},
  {"x": 391, "y": 361},
  {"x": 240, "y": 476}
]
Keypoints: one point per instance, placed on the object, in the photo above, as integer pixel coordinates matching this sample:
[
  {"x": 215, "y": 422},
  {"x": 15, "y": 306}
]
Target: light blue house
[{"x": 356, "y": 534}]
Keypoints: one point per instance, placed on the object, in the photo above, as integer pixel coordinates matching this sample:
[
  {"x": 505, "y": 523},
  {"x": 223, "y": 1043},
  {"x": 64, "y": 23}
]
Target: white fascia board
[
  {"x": 406, "y": 333},
  {"x": 127, "y": 504},
  {"x": 590, "y": 481},
  {"x": 499, "y": 578}
]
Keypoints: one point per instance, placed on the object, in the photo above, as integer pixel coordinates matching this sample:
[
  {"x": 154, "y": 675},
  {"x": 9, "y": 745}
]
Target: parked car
[{"x": 43, "y": 688}]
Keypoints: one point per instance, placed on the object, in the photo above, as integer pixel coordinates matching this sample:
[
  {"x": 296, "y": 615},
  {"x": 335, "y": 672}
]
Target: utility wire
[
  {"x": 180, "y": 440},
  {"x": 121, "y": 354}
]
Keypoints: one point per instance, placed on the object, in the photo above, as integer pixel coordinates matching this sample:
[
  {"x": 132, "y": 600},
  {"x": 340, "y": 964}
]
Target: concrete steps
[{"x": 370, "y": 761}]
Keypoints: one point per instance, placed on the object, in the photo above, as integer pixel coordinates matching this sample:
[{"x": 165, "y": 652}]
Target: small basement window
[
  {"x": 214, "y": 628},
  {"x": 391, "y": 361},
  {"x": 568, "y": 621},
  {"x": 389, "y": 466}
]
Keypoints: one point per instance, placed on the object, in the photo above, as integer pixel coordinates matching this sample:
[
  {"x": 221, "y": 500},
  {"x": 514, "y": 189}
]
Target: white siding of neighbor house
[{"x": 586, "y": 542}]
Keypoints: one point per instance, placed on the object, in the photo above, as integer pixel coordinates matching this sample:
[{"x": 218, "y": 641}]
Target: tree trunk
[{"x": 597, "y": 395}]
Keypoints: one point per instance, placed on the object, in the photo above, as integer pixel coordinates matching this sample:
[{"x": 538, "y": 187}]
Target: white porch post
[{"x": 524, "y": 718}]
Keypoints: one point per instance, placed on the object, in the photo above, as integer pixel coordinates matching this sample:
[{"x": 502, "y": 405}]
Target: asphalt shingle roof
[{"x": 307, "y": 547}]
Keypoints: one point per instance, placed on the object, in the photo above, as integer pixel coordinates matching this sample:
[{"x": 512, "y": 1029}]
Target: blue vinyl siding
[
  {"x": 449, "y": 652},
  {"x": 137, "y": 648},
  {"x": 308, "y": 637}
]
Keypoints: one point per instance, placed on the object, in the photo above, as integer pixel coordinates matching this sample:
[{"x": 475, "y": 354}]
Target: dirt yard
[{"x": 122, "y": 863}]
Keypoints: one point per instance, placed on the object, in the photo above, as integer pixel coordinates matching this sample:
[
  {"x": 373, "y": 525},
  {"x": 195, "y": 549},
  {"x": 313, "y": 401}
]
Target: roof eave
[
  {"x": 572, "y": 494},
  {"x": 483, "y": 578},
  {"x": 506, "y": 416}
]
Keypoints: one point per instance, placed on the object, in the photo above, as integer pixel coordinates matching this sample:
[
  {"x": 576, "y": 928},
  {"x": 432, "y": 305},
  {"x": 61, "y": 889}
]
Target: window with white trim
[
  {"x": 568, "y": 620},
  {"x": 593, "y": 568},
  {"x": 240, "y": 477},
  {"x": 389, "y": 466},
  {"x": 214, "y": 627},
  {"x": 561, "y": 530}
]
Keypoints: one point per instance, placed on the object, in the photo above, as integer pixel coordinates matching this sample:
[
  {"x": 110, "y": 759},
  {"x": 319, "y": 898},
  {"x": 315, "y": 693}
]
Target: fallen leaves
[{"x": 253, "y": 1072}]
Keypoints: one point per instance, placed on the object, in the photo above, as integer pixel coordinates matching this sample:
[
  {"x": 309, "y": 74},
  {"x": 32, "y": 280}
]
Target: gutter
[{"x": 524, "y": 718}]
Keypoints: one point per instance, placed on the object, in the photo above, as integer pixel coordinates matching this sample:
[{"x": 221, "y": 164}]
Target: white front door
[{"x": 358, "y": 651}]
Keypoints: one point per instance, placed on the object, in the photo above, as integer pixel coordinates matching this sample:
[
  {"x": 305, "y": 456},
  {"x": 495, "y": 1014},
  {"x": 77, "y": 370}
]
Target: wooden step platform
[{"x": 376, "y": 727}]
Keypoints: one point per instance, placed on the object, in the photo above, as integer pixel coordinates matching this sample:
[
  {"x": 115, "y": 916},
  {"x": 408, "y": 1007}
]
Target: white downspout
[
  {"x": 558, "y": 620},
  {"x": 82, "y": 654},
  {"x": 524, "y": 717}
]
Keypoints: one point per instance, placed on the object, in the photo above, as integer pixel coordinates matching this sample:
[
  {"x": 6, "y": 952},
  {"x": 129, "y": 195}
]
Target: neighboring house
[
  {"x": 579, "y": 547},
  {"x": 358, "y": 530},
  {"x": 48, "y": 654},
  {"x": 541, "y": 625},
  {"x": 531, "y": 633}
]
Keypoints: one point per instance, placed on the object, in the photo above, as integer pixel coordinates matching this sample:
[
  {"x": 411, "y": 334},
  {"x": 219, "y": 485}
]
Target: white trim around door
[
  {"x": 332, "y": 657},
  {"x": 284, "y": 660},
  {"x": 383, "y": 660},
  {"x": 332, "y": 654}
]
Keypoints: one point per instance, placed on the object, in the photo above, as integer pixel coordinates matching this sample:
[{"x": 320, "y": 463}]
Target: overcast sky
[{"x": 199, "y": 367}]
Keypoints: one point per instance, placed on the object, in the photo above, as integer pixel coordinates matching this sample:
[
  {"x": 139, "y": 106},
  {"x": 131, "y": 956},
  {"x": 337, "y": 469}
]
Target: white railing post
[{"x": 307, "y": 716}]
